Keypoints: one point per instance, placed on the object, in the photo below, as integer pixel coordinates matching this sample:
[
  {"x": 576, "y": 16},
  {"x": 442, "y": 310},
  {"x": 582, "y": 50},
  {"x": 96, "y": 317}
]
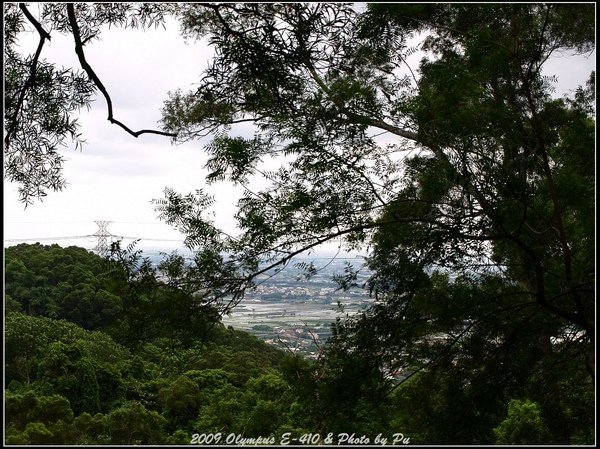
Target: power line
[
  {"x": 147, "y": 238},
  {"x": 44, "y": 222},
  {"x": 73, "y": 237},
  {"x": 72, "y": 222},
  {"x": 102, "y": 245}
]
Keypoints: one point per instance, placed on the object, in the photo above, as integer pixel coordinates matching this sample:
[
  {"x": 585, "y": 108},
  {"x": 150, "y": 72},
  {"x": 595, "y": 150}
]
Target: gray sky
[{"x": 115, "y": 176}]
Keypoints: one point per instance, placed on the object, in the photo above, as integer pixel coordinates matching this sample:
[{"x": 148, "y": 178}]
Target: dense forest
[
  {"x": 97, "y": 355},
  {"x": 467, "y": 179},
  {"x": 93, "y": 358}
]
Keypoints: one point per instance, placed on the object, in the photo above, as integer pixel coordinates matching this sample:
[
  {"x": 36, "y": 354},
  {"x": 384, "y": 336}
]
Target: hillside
[
  {"x": 74, "y": 376},
  {"x": 114, "y": 352}
]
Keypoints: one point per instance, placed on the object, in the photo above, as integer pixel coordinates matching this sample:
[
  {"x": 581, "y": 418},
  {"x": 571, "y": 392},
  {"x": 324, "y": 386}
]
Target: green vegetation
[
  {"x": 70, "y": 385},
  {"x": 471, "y": 185},
  {"x": 75, "y": 379},
  {"x": 262, "y": 327}
]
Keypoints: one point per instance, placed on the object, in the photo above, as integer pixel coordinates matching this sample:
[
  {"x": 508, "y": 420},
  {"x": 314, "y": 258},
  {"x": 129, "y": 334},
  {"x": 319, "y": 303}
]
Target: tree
[
  {"x": 63, "y": 283},
  {"x": 478, "y": 212},
  {"x": 482, "y": 239},
  {"x": 523, "y": 425},
  {"x": 41, "y": 100},
  {"x": 155, "y": 307},
  {"x": 69, "y": 369},
  {"x": 133, "y": 424},
  {"x": 180, "y": 401},
  {"x": 122, "y": 296},
  {"x": 23, "y": 409}
]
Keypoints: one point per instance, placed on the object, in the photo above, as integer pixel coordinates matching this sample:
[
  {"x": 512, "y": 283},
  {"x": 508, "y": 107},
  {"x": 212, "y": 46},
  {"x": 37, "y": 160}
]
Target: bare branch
[
  {"x": 90, "y": 72},
  {"x": 43, "y": 33}
]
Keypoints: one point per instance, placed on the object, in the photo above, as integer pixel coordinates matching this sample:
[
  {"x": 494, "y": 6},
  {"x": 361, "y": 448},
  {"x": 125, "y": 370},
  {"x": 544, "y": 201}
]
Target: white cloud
[
  {"x": 571, "y": 71},
  {"x": 116, "y": 175}
]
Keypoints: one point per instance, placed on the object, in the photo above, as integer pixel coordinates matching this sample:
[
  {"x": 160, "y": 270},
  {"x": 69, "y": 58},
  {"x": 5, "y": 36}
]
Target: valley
[{"x": 295, "y": 313}]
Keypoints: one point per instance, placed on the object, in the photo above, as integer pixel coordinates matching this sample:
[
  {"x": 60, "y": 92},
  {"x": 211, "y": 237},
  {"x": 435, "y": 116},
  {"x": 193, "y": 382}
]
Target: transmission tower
[{"x": 102, "y": 234}]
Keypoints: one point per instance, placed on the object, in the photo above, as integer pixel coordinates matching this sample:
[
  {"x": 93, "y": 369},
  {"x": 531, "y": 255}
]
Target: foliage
[
  {"x": 133, "y": 424},
  {"x": 523, "y": 425},
  {"x": 41, "y": 99},
  {"x": 477, "y": 207},
  {"x": 479, "y": 215},
  {"x": 74, "y": 391},
  {"x": 71, "y": 283},
  {"x": 69, "y": 385},
  {"x": 482, "y": 238},
  {"x": 123, "y": 297}
]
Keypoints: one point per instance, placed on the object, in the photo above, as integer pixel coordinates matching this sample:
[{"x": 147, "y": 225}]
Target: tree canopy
[
  {"x": 138, "y": 379},
  {"x": 478, "y": 210}
]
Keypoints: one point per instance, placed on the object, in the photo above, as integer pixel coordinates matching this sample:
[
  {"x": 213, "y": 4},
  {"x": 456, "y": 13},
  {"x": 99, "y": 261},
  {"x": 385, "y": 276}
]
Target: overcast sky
[{"x": 116, "y": 176}]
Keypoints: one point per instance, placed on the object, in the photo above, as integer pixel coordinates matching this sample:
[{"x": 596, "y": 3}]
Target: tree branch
[
  {"x": 12, "y": 124},
  {"x": 43, "y": 33},
  {"x": 358, "y": 117},
  {"x": 90, "y": 72},
  {"x": 557, "y": 209}
]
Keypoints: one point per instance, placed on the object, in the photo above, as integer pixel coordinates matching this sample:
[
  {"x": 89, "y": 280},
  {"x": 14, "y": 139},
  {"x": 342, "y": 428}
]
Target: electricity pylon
[{"x": 102, "y": 234}]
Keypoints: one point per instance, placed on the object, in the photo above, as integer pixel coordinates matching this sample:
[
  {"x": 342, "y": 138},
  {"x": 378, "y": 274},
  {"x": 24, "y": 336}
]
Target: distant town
[{"x": 294, "y": 312}]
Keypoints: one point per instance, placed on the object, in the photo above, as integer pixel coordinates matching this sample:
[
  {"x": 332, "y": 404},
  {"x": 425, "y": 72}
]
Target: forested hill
[
  {"x": 95, "y": 358},
  {"x": 101, "y": 352},
  {"x": 451, "y": 142}
]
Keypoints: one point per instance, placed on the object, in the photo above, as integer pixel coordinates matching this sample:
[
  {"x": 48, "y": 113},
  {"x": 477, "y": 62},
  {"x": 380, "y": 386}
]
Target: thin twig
[{"x": 12, "y": 123}]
